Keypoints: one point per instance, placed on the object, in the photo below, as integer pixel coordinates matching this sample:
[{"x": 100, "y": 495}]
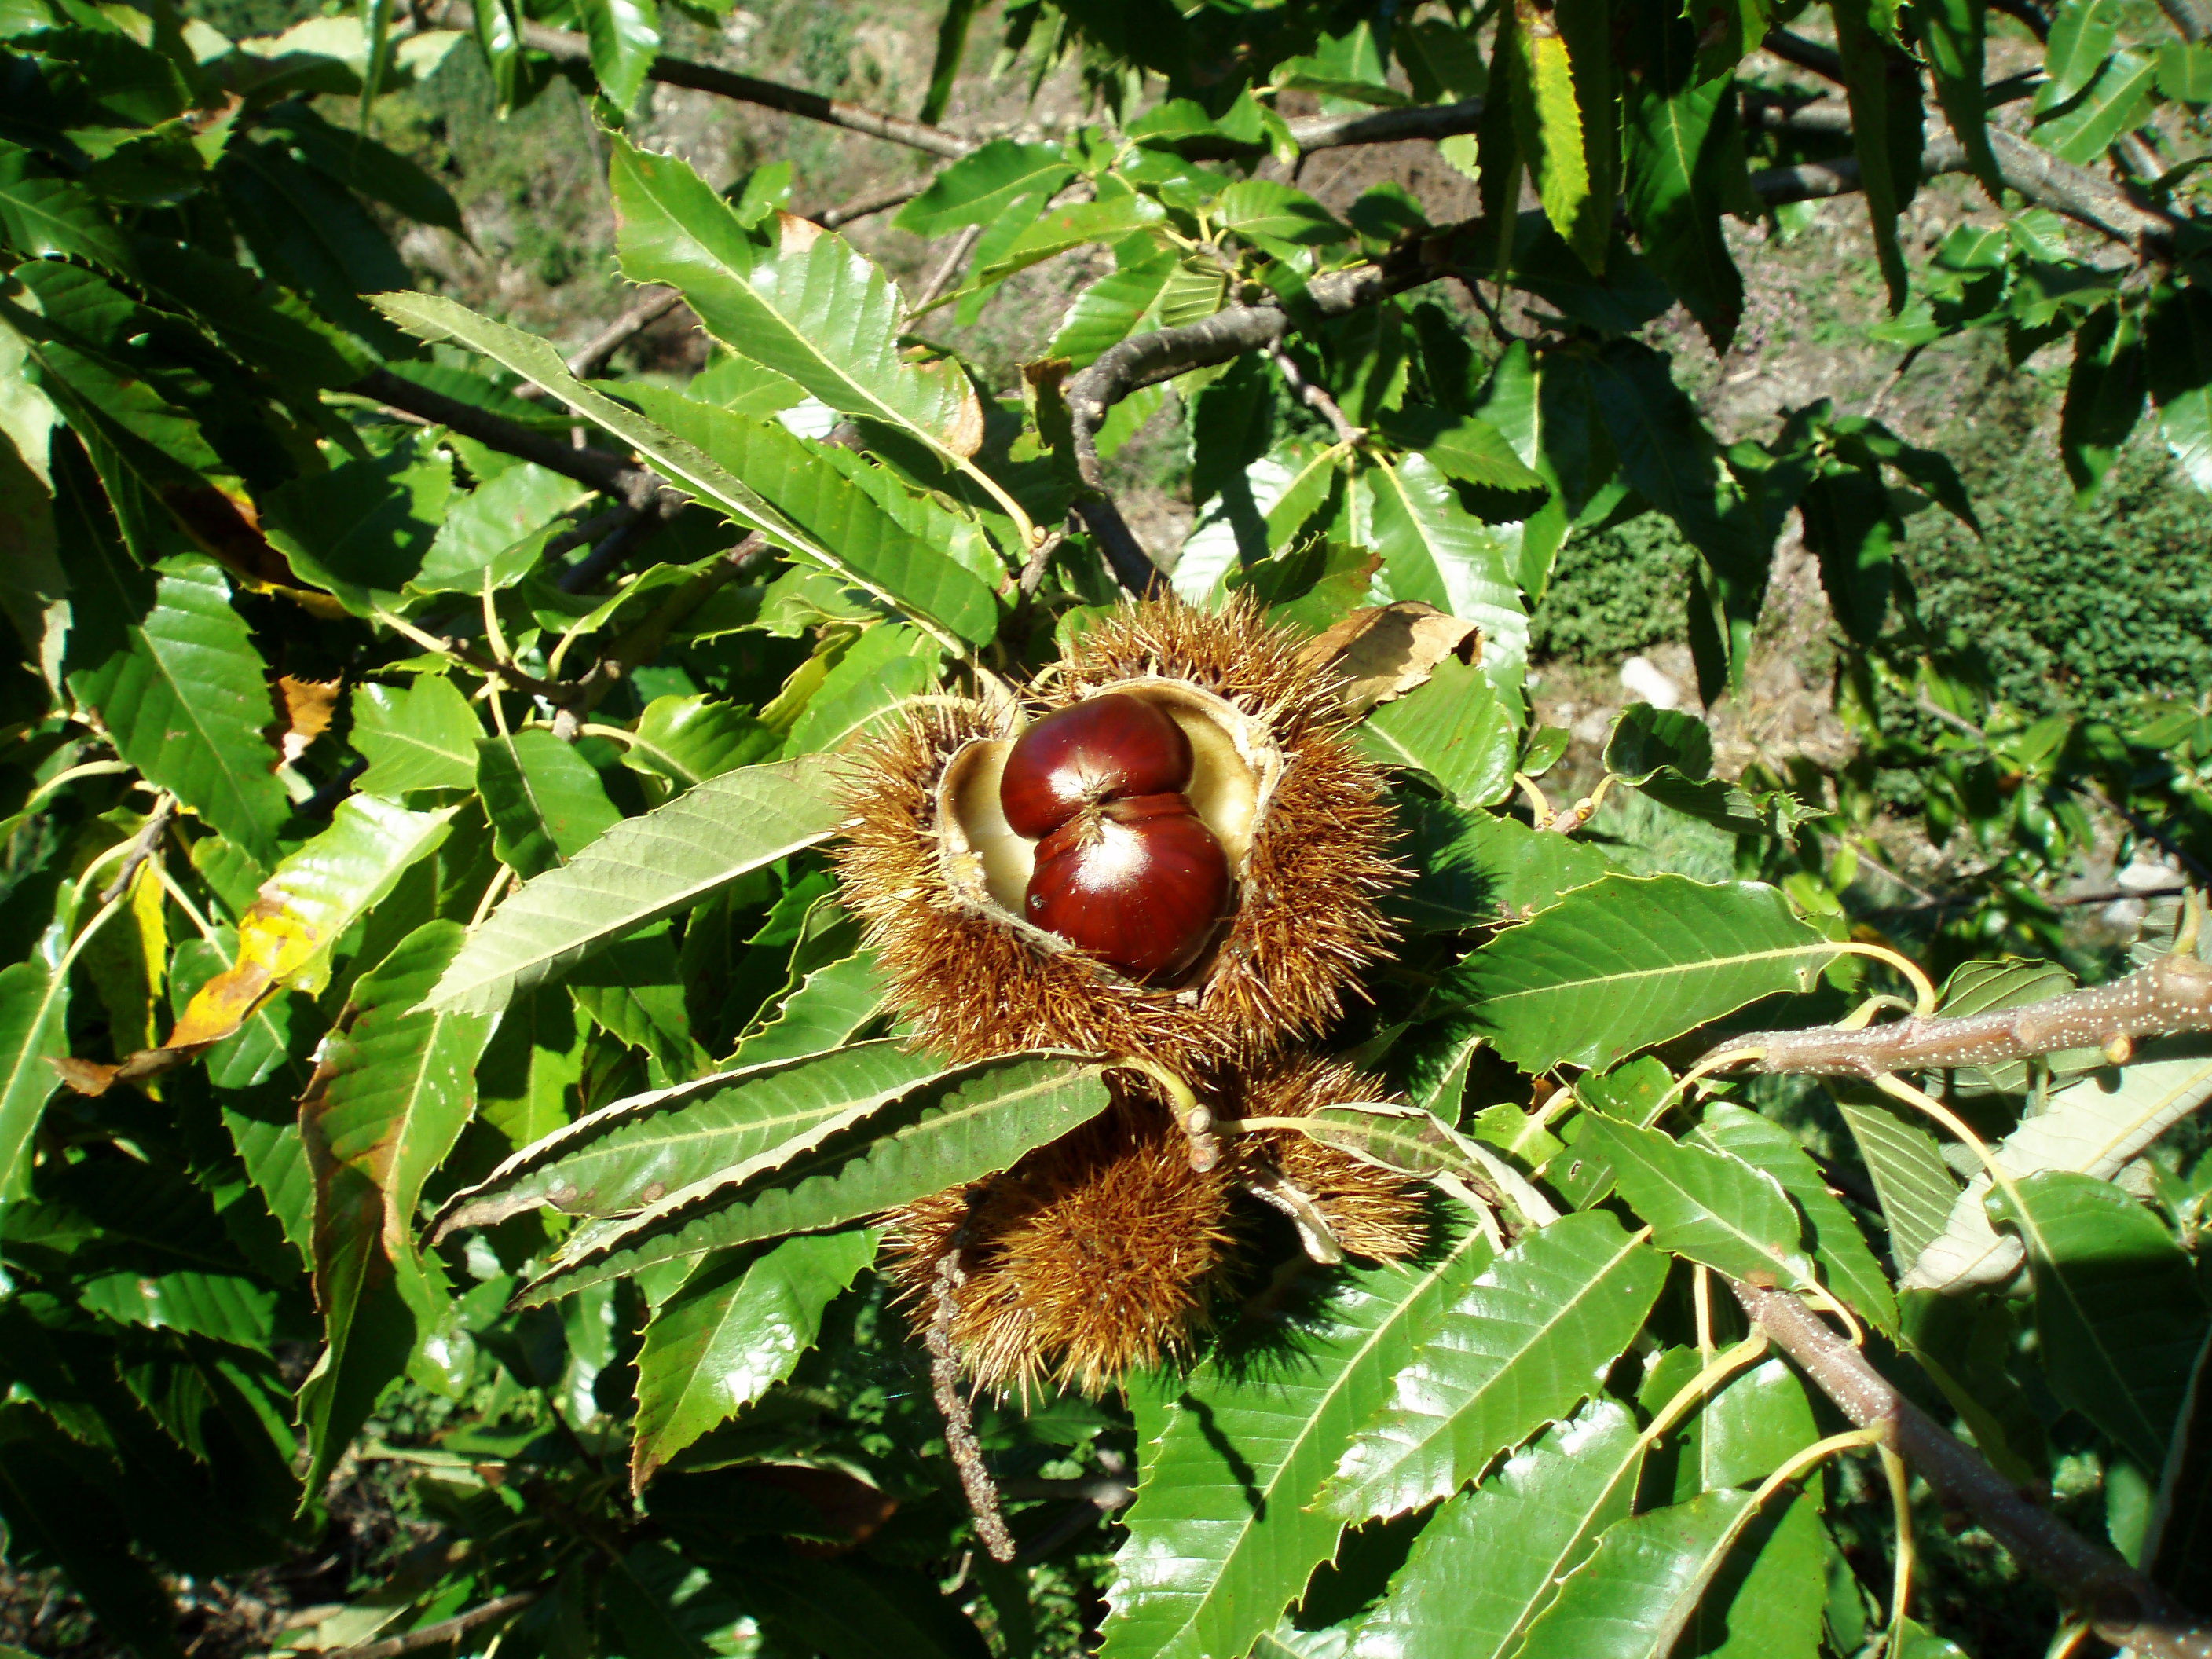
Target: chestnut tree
[{"x": 553, "y": 1004}]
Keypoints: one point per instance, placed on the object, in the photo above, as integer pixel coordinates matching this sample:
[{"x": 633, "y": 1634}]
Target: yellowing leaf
[{"x": 285, "y": 936}]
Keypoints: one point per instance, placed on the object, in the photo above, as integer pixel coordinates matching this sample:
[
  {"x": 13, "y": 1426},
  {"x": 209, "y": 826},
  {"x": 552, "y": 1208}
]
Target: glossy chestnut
[
  {"x": 1107, "y": 748},
  {"x": 1140, "y": 882}
]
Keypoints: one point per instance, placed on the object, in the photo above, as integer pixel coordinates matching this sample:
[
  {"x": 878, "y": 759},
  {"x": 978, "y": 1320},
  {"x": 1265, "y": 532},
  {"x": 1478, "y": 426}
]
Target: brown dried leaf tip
[
  {"x": 1107, "y": 1251},
  {"x": 941, "y": 877}
]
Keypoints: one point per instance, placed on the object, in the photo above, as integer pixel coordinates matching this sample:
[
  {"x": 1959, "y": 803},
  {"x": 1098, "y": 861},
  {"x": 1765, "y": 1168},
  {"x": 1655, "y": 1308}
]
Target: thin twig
[
  {"x": 610, "y": 553},
  {"x": 952, "y": 1405},
  {"x": 948, "y": 268},
  {"x": 571, "y": 48},
  {"x": 142, "y": 848},
  {"x": 591, "y": 356},
  {"x": 445, "y": 1630},
  {"x": 861, "y": 206},
  {"x": 1313, "y": 397},
  {"x": 2127, "y": 1609}
]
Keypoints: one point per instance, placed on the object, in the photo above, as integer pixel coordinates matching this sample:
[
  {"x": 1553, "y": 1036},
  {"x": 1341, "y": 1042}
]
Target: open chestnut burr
[{"x": 1178, "y": 856}]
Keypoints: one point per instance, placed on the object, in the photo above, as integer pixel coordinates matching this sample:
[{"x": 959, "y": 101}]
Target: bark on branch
[
  {"x": 635, "y": 485},
  {"x": 2124, "y": 1607},
  {"x": 2171, "y": 996}
]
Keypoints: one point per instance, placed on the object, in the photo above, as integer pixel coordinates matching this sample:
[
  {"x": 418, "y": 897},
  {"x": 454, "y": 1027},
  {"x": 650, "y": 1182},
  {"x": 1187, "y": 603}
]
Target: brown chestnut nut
[
  {"x": 1138, "y": 883},
  {"x": 1110, "y": 747}
]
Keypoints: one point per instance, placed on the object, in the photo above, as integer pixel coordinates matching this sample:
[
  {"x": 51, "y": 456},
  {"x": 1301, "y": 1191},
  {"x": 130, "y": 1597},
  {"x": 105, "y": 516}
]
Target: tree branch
[
  {"x": 2189, "y": 17},
  {"x": 570, "y": 48},
  {"x": 445, "y": 1630},
  {"x": 2125, "y": 1607},
  {"x": 602, "y": 469},
  {"x": 2173, "y": 994}
]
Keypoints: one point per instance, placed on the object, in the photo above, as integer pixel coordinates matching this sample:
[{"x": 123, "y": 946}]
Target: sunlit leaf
[
  {"x": 641, "y": 869},
  {"x": 1490, "y": 1561},
  {"x": 737, "y": 1327},
  {"x": 1712, "y": 1207},
  {"x": 2116, "y": 1307},
  {"x": 734, "y": 1125},
  {"x": 1220, "y": 1536},
  {"x": 1525, "y": 1344},
  {"x": 1629, "y": 961},
  {"x": 944, "y": 1134}
]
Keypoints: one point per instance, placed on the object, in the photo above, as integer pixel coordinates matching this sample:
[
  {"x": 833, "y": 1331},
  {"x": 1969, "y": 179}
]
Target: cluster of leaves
[{"x": 434, "y": 938}]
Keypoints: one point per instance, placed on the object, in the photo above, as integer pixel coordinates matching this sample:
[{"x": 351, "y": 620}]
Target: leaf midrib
[
  {"x": 1704, "y": 965},
  {"x": 1344, "y": 1374},
  {"x": 1443, "y": 1422}
]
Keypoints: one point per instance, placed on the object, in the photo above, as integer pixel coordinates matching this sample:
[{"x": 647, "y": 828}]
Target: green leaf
[
  {"x": 2117, "y": 1311},
  {"x": 1746, "y": 1428},
  {"x": 633, "y": 992},
  {"x": 1525, "y": 1345},
  {"x": 1490, "y": 1561},
  {"x": 33, "y": 1020},
  {"x": 1475, "y": 869},
  {"x": 738, "y": 1327},
  {"x": 1952, "y": 38},
  {"x": 2094, "y": 1126},
  {"x": 1114, "y": 307},
  {"x": 1463, "y": 446},
  {"x": 735, "y": 1124},
  {"x": 641, "y": 869},
  {"x": 2184, "y": 71},
  {"x": 686, "y": 740},
  {"x": 1852, "y": 528},
  {"x": 1883, "y": 86},
  {"x": 363, "y": 529},
  {"x": 1000, "y": 177},
  {"x": 1848, "y": 1267},
  {"x": 2180, "y": 359},
  {"x": 495, "y": 530},
  {"x": 846, "y": 527},
  {"x": 1457, "y": 729},
  {"x": 1629, "y": 961},
  {"x": 2083, "y": 36},
  {"x": 813, "y": 309},
  {"x": 1548, "y": 122},
  {"x": 1712, "y": 1207},
  {"x": 2104, "y": 396},
  {"x": 546, "y": 801},
  {"x": 944, "y": 1133},
  {"x": 1916, "y": 1186},
  {"x": 399, "y": 1086},
  {"x": 1220, "y": 1540},
  {"x": 45, "y": 217},
  {"x": 1667, "y": 454},
  {"x": 887, "y": 667},
  {"x": 1683, "y": 144},
  {"x": 394, "y": 1090},
  {"x": 1071, "y": 225},
  {"x": 534, "y": 359},
  {"x": 951, "y": 45},
  {"x": 827, "y": 1008},
  {"x": 182, "y": 690},
  {"x": 1632, "y": 1597},
  {"x": 1433, "y": 548},
  {"x": 1263, "y": 212},
  {"x": 2118, "y": 101},
  {"x": 424, "y": 738},
  {"x": 625, "y": 37}
]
